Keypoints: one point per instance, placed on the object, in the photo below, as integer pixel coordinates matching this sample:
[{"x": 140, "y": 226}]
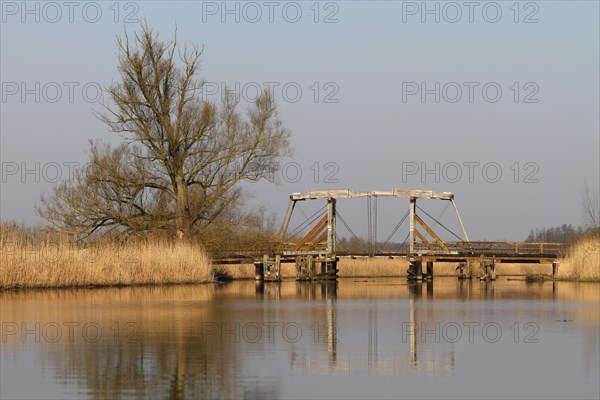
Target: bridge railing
[
  {"x": 497, "y": 248},
  {"x": 506, "y": 249},
  {"x": 256, "y": 253},
  {"x": 241, "y": 253}
]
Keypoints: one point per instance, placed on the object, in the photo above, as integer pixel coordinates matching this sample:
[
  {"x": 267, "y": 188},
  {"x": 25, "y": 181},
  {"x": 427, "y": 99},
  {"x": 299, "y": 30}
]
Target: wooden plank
[
  {"x": 431, "y": 232},
  {"x": 413, "y": 193},
  {"x": 321, "y": 194},
  {"x": 286, "y": 221},
  {"x": 347, "y": 193},
  {"x": 312, "y": 233},
  {"x": 423, "y": 194},
  {"x": 420, "y": 236},
  {"x": 310, "y": 236},
  {"x": 319, "y": 240}
]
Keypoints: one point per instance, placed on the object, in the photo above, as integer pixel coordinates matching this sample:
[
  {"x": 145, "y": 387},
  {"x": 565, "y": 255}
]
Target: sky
[{"x": 496, "y": 102}]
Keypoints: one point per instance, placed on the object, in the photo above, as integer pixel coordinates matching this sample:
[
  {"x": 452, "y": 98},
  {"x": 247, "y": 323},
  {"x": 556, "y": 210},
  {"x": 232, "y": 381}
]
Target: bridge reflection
[{"x": 387, "y": 351}]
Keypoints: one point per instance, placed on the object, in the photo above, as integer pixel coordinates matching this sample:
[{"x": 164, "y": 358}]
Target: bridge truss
[{"x": 316, "y": 255}]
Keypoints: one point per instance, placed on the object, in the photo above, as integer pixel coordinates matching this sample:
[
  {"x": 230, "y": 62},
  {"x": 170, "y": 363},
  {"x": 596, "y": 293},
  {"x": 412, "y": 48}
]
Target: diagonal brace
[{"x": 431, "y": 233}]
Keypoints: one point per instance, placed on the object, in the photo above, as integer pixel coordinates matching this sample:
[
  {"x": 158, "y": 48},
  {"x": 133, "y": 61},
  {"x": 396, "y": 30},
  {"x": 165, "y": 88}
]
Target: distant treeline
[{"x": 561, "y": 234}]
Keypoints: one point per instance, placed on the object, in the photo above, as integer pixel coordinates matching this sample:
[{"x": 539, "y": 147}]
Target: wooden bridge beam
[
  {"x": 347, "y": 193},
  {"x": 411, "y": 233},
  {"x": 320, "y": 239},
  {"x": 424, "y": 240},
  {"x": 286, "y": 221},
  {"x": 331, "y": 228},
  {"x": 313, "y": 233},
  {"x": 431, "y": 233}
]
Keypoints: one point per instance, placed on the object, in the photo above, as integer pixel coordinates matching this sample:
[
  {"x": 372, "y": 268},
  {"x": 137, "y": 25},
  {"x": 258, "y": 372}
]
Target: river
[{"x": 357, "y": 338}]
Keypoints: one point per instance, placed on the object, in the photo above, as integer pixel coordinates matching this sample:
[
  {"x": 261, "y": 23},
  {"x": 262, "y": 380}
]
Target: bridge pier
[
  {"x": 415, "y": 270},
  {"x": 259, "y": 271},
  {"x": 429, "y": 273},
  {"x": 269, "y": 269},
  {"x": 555, "y": 268},
  {"x": 305, "y": 268},
  {"x": 465, "y": 270},
  {"x": 488, "y": 268},
  {"x": 310, "y": 268}
]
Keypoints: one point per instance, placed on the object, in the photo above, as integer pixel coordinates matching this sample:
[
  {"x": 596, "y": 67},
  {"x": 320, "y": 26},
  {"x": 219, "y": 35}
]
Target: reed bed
[
  {"x": 372, "y": 266},
  {"x": 583, "y": 261},
  {"x": 32, "y": 259},
  {"x": 28, "y": 261}
]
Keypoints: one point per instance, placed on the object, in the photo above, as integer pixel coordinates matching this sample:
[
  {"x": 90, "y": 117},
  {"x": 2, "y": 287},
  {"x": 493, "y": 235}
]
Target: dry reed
[
  {"x": 583, "y": 260},
  {"x": 27, "y": 261}
]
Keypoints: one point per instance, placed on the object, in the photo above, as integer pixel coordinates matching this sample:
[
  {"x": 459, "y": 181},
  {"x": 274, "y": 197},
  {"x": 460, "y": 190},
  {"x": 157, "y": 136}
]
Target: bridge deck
[{"x": 503, "y": 252}]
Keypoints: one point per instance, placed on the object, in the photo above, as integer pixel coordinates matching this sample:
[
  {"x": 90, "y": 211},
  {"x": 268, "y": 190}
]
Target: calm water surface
[{"x": 359, "y": 338}]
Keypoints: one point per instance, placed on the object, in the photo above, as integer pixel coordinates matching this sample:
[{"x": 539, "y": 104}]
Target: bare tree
[
  {"x": 590, "y": 204},
  {"x": 182, "y": 158}
]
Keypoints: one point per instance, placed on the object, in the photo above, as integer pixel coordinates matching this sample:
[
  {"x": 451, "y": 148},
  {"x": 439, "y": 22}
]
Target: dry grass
[
  {"x": 583, "y": 261},
  {"x": 30, "y": 262},
  {"x": 372, "y": 266}
]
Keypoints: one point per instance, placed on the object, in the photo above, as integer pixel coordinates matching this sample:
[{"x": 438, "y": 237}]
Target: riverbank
[{"x": 29, "y": 262}]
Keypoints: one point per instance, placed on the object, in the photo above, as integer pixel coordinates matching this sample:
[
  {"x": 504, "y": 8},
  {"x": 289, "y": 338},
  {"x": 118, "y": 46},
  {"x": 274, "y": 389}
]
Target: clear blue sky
[{"x": 362, "y": 77}]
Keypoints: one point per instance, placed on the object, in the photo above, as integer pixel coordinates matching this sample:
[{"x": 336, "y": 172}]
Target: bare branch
[{"x": 182, "y": 158}]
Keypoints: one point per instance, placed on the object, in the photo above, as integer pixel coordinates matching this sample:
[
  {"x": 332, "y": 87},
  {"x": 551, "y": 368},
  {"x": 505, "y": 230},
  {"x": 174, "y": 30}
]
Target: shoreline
[
  {"x": 46, "y": 265},
  {"x": 475, "y": 278}
]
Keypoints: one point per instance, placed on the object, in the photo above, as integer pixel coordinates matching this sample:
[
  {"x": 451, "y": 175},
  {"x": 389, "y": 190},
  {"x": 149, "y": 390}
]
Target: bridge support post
[
  {"x": 305, "y": 268},
  {"x": 311, "y": 268},
  {"x": 429, "y": 273},
  {"x": 411, "y": 233},
  {"x": 555, "y": 268},
  {"x": 272, "y": 268},
  {"x": 330, "y": 269},
  {"x": 331, "y": 220},
  {"x": 419, "y": 270},
  {"x": 465, "y": 270},
  {"x": 259, "y": 271},
  {"x": 488, "y": 268},
  {"x": 415, "y": 270}
]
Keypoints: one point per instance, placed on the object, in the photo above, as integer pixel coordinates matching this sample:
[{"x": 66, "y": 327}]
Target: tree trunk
[{"x": 183, "y": 219}]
